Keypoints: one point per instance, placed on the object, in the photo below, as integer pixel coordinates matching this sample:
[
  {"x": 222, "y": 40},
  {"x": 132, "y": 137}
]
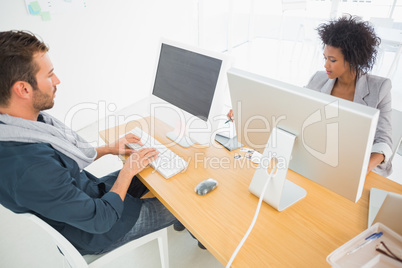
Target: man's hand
[
  {"x": 140, "y": 159},
  {"x": 119, "y": 147},
  {"x": 135, "y": 163}
]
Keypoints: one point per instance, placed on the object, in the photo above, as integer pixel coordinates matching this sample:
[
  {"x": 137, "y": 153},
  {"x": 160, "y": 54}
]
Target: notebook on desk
[{"x": 385, "y": 207}]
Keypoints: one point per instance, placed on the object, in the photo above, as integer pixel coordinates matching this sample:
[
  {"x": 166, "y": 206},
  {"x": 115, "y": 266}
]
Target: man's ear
[{"x": 22, "y": 90}]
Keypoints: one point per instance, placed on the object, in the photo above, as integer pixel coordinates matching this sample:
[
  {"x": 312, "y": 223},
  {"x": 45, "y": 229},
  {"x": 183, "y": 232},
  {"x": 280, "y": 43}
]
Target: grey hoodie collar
[{"x": 52, "y": 131}]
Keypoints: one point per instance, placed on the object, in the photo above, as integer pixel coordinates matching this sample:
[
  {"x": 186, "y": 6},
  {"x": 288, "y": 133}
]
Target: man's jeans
[{"x": 153, "y": 216}]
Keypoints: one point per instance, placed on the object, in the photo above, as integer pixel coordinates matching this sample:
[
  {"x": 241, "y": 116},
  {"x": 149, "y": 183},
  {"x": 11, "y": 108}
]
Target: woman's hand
[
  {"x": 375, "y": 160},
  {"x": 230, "y": 115}
]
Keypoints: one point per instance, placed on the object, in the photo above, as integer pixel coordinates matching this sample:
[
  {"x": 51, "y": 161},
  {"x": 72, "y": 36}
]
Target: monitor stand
[
  {"x": 194, "y": 132},
  {"x": 182, "y": 140},
  {"x": 280, "y": 193}
]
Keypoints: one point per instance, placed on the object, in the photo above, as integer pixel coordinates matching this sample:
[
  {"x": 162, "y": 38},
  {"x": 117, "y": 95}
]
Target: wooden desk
[{"x": 301, "y": 236}]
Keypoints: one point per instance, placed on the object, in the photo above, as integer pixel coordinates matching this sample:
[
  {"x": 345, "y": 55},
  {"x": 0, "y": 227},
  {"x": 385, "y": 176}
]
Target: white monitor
[
  {"x": 333, "y": 137},
  {"x": 188, "y": 89},
  {"x": 390, "y": 213}
]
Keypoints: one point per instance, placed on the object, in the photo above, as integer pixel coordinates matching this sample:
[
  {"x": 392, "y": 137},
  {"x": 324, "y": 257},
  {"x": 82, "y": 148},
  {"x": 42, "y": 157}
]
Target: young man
[{"x": 42, "y": 161}]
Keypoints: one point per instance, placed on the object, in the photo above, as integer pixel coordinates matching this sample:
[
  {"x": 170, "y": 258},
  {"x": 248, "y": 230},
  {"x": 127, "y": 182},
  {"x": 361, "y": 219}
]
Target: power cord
[{"x": 270, "y": 175}]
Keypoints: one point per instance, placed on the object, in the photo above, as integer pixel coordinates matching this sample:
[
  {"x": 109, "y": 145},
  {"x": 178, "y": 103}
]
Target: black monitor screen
[{"x": 187, "y": 79}]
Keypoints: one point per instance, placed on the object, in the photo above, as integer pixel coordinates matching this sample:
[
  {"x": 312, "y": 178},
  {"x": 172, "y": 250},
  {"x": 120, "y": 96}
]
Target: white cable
[{"x": 254, "y": 219}]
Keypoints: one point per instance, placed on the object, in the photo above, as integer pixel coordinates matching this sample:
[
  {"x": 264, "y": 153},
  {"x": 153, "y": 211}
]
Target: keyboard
[{"x": 168, "y": 163}]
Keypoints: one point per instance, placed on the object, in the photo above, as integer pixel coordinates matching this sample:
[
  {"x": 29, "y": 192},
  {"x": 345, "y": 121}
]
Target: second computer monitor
[
  {"x": 333, "y": 136},
  {"x": 190, "y": 80}
]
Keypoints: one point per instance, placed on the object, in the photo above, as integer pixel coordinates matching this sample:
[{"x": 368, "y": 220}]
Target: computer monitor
[
  {"x": 333, "y": 137},
  {"x": 189, "y": 84}
]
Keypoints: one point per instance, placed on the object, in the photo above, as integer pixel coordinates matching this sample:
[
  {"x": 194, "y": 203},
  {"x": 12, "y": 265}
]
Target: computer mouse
[{"x": 205, "y": 186}]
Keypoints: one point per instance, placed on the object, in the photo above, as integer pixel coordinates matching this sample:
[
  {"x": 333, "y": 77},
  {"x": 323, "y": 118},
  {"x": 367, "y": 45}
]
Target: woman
[{"x": 350, "y": 50}]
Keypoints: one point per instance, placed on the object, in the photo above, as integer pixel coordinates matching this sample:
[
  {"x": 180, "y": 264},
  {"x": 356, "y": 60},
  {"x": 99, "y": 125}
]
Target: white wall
[{"x": 105, "y": 54}]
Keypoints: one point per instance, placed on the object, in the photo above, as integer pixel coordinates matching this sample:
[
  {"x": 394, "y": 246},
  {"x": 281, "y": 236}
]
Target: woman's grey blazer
[{"x": 373, "y": 91}]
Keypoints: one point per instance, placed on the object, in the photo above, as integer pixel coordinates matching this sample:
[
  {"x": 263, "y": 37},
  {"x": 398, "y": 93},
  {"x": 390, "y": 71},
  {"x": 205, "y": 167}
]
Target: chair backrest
[
  {"x": 73, "y": 257},
  {"x": 382, "y": 22},
  {"x": 396, "y": 131},
  {"x": 70, "y": 253},
  {"x": 293, "y": 5}
]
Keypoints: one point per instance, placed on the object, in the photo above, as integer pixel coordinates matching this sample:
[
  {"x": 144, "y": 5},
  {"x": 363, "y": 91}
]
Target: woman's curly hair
[{"x": 356, "y": 39}]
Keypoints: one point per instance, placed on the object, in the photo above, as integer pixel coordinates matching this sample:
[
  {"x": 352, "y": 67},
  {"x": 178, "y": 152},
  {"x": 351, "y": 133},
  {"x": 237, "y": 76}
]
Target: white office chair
[
  {"x": 396, "y": 132},
  {"x": 292, "y": 29},
  {"x": 390, "y": 43},
  {"x": 76, "y": 260}
]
